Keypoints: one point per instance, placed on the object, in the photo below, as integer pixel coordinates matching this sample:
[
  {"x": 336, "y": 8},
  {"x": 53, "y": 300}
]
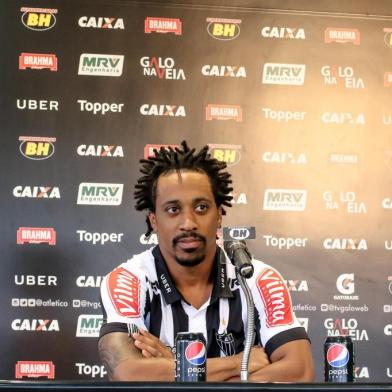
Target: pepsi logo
[
  {"x": 195, "y": 353},
  {"x": 338, "y": 355}
]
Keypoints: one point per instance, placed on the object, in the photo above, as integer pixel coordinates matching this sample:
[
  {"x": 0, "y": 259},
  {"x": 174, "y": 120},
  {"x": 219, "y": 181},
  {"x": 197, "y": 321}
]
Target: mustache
[{"x": 189, "y": 234}]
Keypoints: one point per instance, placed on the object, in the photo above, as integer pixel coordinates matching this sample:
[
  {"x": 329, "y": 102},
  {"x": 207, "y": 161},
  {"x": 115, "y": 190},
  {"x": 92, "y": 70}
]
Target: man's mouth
[{"x": 187, "y": 242}]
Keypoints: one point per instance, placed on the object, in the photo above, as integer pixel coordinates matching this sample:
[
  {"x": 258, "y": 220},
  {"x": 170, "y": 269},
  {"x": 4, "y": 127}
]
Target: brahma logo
[
  {"x": 223, "y": 112},
  {"x": 342, "y": 35},
  {"x": 124, "y": 292},
  {"x": 387, "y": 79},
  {"x": 283, "y": 32},
  {"x": 38, "y": 19},
  {"x": 149, "y": 149},
  {"x": 223, "y": 29},
  {"x": 345, "y": 327},
  {"x": 38, "y": 61},
  {"x": 224, "y": 71},
  {"x": 99, "y": 150},
  {"x": 161, "y": 67},
  {"x": 34, "y": 369},
  {"x": 341, "y": 76},
  {"x": 36, "y": 148},
  {"x": 343, "y": 158},
  {"x": 39, "y": 192},
  {"x": 228, "y": 153},
  {"x": 36, "y": 235},
  {"x": 285, "y": 199},
  {"x": 34, "y": 104},
  {"x": 239, "y": 233},
  {"x": 163, "y": 110},
  {"x": 100, "y": 194},
  {"x": 286, "y": 74},
  {"x": 343, "y": 118},
  {"x": 388, "y": 36},
  {"x": 348, "y": 244},
  {"x": 101, "y": 22},
  {"x": 89, "y": 325},
  {"x": 346, "y": 286},
  {"x": 36, "y": 325},
  {"x": 284, "y": 157},
  {"x": 276, "y": 298},
  {"x": 162, "y": 25},
  {"x": 101, "y": 64}
]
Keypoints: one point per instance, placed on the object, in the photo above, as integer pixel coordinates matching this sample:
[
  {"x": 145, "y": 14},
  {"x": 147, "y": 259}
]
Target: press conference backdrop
[{"x": 299, "y": 106}]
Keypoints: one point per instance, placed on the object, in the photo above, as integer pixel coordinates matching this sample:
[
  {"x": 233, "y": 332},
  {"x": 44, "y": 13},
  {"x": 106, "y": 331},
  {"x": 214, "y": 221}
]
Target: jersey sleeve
[
  {"x": 276, "y": 320},
  {"x": 123, "y": 299}
]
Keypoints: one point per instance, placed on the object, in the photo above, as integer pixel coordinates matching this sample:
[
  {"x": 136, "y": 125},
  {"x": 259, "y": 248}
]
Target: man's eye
[
  {"x": 201, "y": 208},
  {"x": 172, "y": 210}
]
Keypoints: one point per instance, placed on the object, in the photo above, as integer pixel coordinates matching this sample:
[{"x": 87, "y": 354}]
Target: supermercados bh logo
[
  {"x": 162, "y": 110},
  {"x": 283, "y": 32},
  {"x": 388, "y": 36},
  {"x": 285, "y": 199},
  {"x": 92, "y": 150},
  {"x": 345, "y": 327},
  {"x": 36, "y": 235},
  {"x": 239, "y": 233},
  {"x": 223, "y": 112},
  {"x": 231, "y": 71},
  {"x": 161, "y": 67},
  {"x": 342, "y": 35},
  {"x": 162, "y": 25},
  {"x": 345, "y": 200},
  {"x": 101, "y": 64},
  {"x": 37, "y": 148},
  {"x": 37, "y": 192},
  {"x": 38, "y": 61},
  {"x": 287, "y": 74},
  {"x": 348, "y": 244},
  {"x": 100, "y": 194},
  {"x": 223, "y": 29},
  {"x": 101, "y": 22},
  {"x": 345, "y": 283},
  {"x": 229, "y": 153},
  {"x": 38, "y": 19},
  {"x": 34, "y": 369},
  {"x": 89, "y": 325},
  {"x": 341, "y": 76},
  {"x": 149, "y": 149}
]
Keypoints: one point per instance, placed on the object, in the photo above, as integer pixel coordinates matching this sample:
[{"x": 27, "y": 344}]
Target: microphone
[{"x": 240, "y": 257}]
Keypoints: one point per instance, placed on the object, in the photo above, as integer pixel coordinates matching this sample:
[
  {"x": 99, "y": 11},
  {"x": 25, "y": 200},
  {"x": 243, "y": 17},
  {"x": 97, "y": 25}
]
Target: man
[{"x": 186, "y": 284}]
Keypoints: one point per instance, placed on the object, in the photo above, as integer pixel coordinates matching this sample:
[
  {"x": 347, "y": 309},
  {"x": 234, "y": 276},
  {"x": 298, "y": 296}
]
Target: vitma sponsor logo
[
  {"x": 163, "y": 110},
  {"x": 38, "y": 61},
  {"x": 37, "y": 104},
  {"x": 149, "y": 149},
  {"x": 223, "y": 29},
  {"x": 342, "y": 35},
  {"x": 223, "y": 112},
  {"x": 101, "y": 22},
  {"x": 99, "y": 150},
  {"x": 224, "y": 71},
  {"x": 89, "y": 325},
  {"x": 37, "y": 148},
  {"x": 285, "y": 199},
  {"x": 162, "y": 25},
  {"x": 103, "y": 194},
  {"x": 38, "y": 192},
  {"x": 34, "y": 369},
  {"x": 161, "y": 67},
  {"x": 38, "y": 19},
  {"x": 36, "y": 325},
  {"x": 286, "y": 74},
  {"x": 228, "y": 153},
  {"x": 101, "y": 64},
  {"x": 36, "y": 235},
  {"x": 239, "y": 233},
  {"x": 283, "y": 32}
]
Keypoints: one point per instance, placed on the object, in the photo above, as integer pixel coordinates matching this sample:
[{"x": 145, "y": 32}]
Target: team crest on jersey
[
  {"x": 124, "y": 292},
  {"x": 226, "y": 343}
]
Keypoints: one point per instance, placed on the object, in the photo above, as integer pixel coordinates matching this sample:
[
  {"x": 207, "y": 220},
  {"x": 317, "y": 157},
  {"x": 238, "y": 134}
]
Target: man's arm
[{"x": 124, "y": 361}]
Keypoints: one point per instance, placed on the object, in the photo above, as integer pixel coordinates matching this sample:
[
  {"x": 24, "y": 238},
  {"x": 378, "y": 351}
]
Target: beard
[{"x": 196, "y": 255}]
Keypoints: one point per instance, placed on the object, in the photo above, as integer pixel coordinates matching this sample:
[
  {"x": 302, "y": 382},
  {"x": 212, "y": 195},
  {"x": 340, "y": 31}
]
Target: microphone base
[{"x": 244, "y": 375}]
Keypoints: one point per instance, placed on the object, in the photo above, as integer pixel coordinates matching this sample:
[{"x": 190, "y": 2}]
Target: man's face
[{"x": 186, "y": 217}]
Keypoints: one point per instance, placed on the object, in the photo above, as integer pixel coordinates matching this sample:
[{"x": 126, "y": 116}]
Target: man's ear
[{"x": 153, "y": 221}]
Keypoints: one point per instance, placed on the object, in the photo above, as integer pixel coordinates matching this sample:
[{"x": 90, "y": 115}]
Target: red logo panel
[
  {"x": 276, "y": 298},
  {"x": 124, "y": 292}
]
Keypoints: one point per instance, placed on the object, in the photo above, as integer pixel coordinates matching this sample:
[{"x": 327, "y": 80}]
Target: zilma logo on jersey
[
  {"x": 195, "y": 353},
  {"x": 338, "y": 355}
]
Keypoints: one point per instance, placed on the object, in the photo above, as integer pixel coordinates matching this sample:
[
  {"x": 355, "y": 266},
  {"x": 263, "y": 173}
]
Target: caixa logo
[
  {"x": 361, "y": 372},
  {"x": 38, "y": 19},
  {"x": 223, "y": 29},
  {"x": 36, "y": 325},
  {"x": 101, "y": 22},
  {"x": 152, "y": 239},
  {"x": 89, "y": 281},
  {"x": 38, "y": 192},
  {"x": 99, "y": 150},
  {"x": 239, "y": 233},
  {"x": 36, "y": 148}
]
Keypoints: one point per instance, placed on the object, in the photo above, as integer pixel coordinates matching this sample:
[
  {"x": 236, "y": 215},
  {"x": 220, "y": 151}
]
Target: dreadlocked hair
[{"x": 183, "y": 158}]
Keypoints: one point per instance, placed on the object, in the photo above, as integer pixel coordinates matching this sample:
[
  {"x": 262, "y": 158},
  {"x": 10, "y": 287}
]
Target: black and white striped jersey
[{"x": 140, "y": 294}]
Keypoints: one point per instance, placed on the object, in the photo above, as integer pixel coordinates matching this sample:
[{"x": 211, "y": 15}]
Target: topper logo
[
  {"x": 124, "y": 292},
  {"x": 276, "y": 298},
  {"x": 337, "y": 355},
  {"x": 195, "y": 353}
]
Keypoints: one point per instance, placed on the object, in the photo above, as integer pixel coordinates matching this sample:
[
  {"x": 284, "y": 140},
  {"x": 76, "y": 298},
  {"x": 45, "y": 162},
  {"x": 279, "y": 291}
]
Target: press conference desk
[{"x": 22, "y": 386}]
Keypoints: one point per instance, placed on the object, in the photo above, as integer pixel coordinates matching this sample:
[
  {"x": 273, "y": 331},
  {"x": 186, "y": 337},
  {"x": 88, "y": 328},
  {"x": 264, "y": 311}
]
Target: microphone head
[{"x": 232, "y": 246}]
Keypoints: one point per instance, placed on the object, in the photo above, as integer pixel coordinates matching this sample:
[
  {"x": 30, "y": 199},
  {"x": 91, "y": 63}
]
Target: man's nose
[{"x": 188, "y": 222}]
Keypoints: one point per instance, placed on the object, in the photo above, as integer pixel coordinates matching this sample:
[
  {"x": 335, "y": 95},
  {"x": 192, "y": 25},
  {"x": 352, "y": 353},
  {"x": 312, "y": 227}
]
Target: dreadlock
[{"x": 183, "y": 158}]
